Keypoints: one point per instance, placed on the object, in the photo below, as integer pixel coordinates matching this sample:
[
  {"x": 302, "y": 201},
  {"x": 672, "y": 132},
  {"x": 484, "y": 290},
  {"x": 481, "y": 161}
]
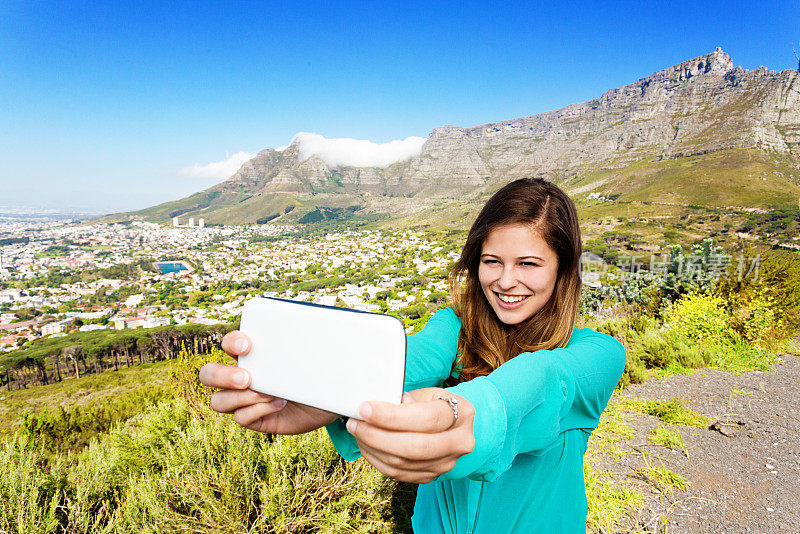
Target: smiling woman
[
  {"x": 501, "y": 449},
  {"x": 517, "y": 283}
]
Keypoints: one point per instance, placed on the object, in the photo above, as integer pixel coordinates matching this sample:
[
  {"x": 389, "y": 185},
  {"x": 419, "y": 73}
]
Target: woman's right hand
[{"x": 253, "y": 410}]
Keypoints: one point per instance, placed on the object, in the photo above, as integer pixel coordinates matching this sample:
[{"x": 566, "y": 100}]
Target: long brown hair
[{"x": 485, "y": 342}]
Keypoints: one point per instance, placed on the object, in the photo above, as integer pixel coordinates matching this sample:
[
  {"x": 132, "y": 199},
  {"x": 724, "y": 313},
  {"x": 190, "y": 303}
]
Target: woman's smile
[{"x": 511, "y": 301}]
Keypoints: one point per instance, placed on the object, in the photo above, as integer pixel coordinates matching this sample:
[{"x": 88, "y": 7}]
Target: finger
[
  {"x": 236, "y": 343},
  {"x": 265, "y": 424},
  {"x": 411, "y": 445},
  {"x": 229, "y": 400},
  {"x": 224, "y": 376},
  {"x": 398, "y": 462},
  {"x": 403, "y": 475},
  {"x": 424, "y": 416},
  {"x": 250, "y": 414}
]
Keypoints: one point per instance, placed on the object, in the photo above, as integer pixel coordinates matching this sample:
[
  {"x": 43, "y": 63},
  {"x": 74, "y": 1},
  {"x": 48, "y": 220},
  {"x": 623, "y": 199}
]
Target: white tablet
[{"x": 326, "y": 357}]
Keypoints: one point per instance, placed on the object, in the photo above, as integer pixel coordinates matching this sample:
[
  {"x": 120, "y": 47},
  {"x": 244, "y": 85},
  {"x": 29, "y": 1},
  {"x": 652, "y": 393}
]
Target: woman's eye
[{"x": 529, "y": 264}]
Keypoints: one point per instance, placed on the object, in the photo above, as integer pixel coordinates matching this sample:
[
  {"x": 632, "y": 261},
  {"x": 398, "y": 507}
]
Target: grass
[
  {"x": 673, "y": 368},
  {"x": 653, "y": 201},
  {"x": 608, "y": 500},
  {"x": 669, "y": 411},
  {"x": 740, "y": 356},
  {"x": 666, "y": 437},
  {"x": 612, "y": 428},
  {"x": 662, "y": 478}
]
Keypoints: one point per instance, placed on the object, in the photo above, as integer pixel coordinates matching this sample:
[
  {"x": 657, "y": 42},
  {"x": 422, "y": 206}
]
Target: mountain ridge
[{"x": 698, "y": 107}]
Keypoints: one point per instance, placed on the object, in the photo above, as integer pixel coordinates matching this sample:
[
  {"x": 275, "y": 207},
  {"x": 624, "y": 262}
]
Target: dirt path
[{"x": 744, "y": 478}]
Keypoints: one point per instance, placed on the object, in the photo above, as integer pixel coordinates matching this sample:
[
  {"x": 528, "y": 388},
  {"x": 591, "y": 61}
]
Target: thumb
[{"x": 407, "y": 398}]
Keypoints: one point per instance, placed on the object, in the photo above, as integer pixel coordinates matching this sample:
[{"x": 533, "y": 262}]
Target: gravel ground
[{"x": 744, "y": 478}]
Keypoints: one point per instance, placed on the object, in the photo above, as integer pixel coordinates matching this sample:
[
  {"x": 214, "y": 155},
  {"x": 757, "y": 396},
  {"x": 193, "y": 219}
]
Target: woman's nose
[{"x": 508, "y": 278}]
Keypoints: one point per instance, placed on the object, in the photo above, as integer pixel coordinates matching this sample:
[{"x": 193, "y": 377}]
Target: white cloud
[
  {"x": 356, "y": 152},
  {"x": 218, "y": 169}
]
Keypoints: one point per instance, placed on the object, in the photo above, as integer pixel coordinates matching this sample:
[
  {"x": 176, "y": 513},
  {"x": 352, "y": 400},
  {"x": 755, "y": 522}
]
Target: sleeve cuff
[
  {"x": 488, "y": 427},
  {"x": 343, "y": 441}
]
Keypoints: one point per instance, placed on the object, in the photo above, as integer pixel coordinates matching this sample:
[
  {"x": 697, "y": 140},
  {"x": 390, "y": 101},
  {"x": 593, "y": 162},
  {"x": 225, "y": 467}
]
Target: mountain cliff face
[{"x": 699, "y": 107}]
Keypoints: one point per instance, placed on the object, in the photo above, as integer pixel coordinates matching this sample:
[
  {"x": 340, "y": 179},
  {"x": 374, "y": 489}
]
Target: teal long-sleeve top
[{"x": 533, "y": 418}]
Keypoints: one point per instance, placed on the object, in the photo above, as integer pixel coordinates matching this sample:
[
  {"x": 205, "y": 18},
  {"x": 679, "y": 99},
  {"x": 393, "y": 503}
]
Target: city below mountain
[{"x": 702, "y": 133}]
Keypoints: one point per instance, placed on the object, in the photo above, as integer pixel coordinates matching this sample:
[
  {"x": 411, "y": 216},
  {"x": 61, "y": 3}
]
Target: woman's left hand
[{"x": 417, "y": 440}]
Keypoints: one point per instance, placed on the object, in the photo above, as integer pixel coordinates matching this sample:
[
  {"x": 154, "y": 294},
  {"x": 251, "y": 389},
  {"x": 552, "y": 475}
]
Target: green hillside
[{"x": 744, "y": 178}]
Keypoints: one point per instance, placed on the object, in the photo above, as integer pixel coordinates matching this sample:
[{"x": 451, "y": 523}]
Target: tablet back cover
[{"x": 326, "y": 357}]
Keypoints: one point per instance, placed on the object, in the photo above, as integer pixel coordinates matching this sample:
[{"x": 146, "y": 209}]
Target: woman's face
[{"x": 517, "y": 272}]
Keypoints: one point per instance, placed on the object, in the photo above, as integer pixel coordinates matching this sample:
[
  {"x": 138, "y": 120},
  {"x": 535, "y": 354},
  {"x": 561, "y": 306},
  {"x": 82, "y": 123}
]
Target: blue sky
[{"x": 103, "y": 104}]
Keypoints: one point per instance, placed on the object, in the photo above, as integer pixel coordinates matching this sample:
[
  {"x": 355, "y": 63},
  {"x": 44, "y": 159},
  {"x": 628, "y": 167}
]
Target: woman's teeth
[{"x": 508, "y": 299}]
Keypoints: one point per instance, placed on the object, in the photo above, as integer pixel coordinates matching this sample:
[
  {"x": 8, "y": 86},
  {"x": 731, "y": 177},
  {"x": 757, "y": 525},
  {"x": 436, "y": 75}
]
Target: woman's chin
[{"x": 514, "y": 316}]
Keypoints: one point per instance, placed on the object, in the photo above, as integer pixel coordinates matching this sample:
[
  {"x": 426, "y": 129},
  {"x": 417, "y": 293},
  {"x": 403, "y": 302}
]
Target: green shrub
[
  {"x": 700, "y": 318},
  {"x": 660, "y": 350},
  {"x": 170, "y": 470},
  {"x": 71, "y": 427},
  {"x": 31, "y": 493},
  {"x": 650, "y": 348},
  {"x": 760, "y": 321},
  {"x": 179, "y": 467},
  {"x": 777, "y": 279}
]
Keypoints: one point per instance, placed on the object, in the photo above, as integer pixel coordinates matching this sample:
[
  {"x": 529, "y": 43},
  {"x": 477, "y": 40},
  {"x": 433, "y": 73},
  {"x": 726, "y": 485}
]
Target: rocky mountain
[{"x": 702, "y": 122}]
